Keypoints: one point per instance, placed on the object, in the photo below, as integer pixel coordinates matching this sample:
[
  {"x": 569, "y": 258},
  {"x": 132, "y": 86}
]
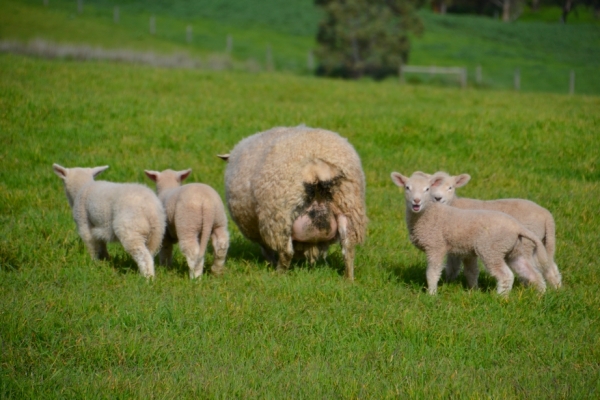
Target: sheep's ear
[
  {"x": 224, "y": 157},
  {"x": 461, "y": 180},
  {"x": 98, "y": 170},
  {"x": 184, "y": 174},
  {"x": 60, "y": 171},
  {"x": 153, "y": 175},
  {"x": 399, "y": 179},
  {"x": 436, "y": 181}
]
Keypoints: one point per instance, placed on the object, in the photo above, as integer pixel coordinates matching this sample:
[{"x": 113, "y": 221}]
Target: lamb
[
  {"x": 439, "y": 229},
  {"x": 295, "y": 191},
  {"x": 195, "y": 213},
  {"x": 107, "y": 212},
  {"x": 532, "y": 216}
]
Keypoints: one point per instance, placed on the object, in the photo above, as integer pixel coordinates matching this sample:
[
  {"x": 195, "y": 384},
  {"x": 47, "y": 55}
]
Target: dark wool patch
[
  {"x": 320, "y": 190},
  {"x": 320, "y": 217}
]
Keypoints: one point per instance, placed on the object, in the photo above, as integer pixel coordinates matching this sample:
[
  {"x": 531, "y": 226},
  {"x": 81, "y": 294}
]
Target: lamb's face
[
  {"x": 416, "y": 190},
  {"x": 443, "y": 191}
]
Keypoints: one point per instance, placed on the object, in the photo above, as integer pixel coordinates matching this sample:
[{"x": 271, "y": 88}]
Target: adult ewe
[
  {"x": 129, "y": 213},
  {"x": 533, "y": 216},
  {"x": 295, "y": 191}
]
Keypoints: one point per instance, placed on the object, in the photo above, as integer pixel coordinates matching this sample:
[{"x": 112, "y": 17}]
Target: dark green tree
[{"x": 366, "y": 37}]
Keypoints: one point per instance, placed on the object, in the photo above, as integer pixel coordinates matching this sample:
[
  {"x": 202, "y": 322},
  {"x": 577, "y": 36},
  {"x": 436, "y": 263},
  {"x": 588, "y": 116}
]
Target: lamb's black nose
[{"x": 437, "y": 198}]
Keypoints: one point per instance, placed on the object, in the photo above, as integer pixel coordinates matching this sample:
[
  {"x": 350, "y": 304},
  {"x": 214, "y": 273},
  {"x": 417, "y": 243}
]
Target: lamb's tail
[
  {"x": 158, "y": 226},
  {"x": 208, "y": 220},
  {"x": 540, "y": 250}
]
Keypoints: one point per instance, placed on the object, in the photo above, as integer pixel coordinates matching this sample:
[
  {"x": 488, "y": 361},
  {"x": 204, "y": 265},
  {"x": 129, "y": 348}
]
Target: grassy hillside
[
  {"x": 544, "y": 53},
  {"x": 75, "y": 328}
]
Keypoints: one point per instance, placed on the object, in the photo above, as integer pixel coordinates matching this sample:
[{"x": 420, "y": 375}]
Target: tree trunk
[
  {"x": 566, "y": 10},
  {"x": 535, "y": 5},
  {"x": 506, "y": 11},
  {"x": 443, "y": 7}
]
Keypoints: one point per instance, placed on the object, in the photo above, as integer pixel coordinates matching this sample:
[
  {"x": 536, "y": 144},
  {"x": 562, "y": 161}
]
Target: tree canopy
[{"x": 365, "y": 37}]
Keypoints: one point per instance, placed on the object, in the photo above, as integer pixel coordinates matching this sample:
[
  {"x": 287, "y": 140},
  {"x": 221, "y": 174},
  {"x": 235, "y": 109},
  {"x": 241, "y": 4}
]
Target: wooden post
[
  {"x": 188, "y": 34},
  {"x": 229, "y": 47},
  {"x": 517, "y": 79},
  {"x": 400, "y": 75},
  {"x": 116, "y": 14},
  {"x": 79, "y": 6},
  {"x": 152, "y": 25},
  {"x": 572, "y": 82},
  {"x": 310, "y": 61},
  {"x": 478, "y": 77},
  {"x": 463, "y": 78},
  {"x": 269, "y": 58}
]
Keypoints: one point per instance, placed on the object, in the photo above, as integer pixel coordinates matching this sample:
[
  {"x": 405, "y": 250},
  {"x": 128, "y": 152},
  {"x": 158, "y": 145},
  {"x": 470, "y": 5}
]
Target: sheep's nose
[
  {"x": 437, "y": 198},
  {"x": 417, "y": 201}
]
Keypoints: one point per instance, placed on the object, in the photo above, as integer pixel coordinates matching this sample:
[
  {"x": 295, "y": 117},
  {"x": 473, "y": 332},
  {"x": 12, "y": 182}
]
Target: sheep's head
[
  {"x": 443, "y": 187},
  {"x": 167, "y": 179},
  {"x": 416, "y": 189},
  {"x": 75, "y": 178}
]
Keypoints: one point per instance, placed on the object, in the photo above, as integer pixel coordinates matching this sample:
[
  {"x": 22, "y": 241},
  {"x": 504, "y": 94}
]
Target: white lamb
[
  {"x": 532, "y": 216},
  {"x": 104, "y": 212},
  {"x": 195, "y": 213},
  {"x": 295, "y": 191},
  {"x": 438, "y": 230}
]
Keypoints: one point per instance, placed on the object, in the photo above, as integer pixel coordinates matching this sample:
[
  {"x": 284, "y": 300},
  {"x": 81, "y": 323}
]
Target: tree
[{"x": 365, "y": 37}]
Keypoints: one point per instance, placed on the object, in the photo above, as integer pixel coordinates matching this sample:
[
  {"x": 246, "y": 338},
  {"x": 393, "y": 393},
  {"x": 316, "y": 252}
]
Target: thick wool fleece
[
  {"x": 265, "y": 186},
  {"x": 104, "y": 212}
]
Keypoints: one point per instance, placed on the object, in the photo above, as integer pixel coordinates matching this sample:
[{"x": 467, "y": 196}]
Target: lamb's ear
[
  {"x": 461, "y": 180},
  {"x": 98, "y": 170},
  {"x": 153, "y": 175},
  {"x": 224, "y": 157},
  {"x": 436, "y": 180},
  {"x": 60, "y": 171},
  {"x": 181, "y": 175},
  {"x": 399, "y": 179}
]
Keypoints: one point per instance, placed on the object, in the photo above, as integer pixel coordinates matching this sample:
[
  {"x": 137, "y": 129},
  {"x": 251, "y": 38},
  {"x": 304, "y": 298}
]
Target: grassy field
[
  {"x": 71, "y": 327},
  {"x": 545, "y": 53}
]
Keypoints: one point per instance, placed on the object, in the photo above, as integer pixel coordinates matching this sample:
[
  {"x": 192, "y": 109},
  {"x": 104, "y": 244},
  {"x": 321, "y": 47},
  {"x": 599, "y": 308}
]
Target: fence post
[
  {"x": 152, "y": 25},
  {"x": 478, "y": 77},
  {"x": 310, "y": 61},
  {"x": 116, "y": 14},
  {"x": 269, "y": 58},
  {"x": 79, "y": 6},
  {"x": 229, "y": 47},
  {"x": 400, "y": 74},
  {"x": 463, "y": 78},
  {"x": 188, "y": 34},
  {"x": 572, "y": 82},
  {"x": 517, "y": 79}
]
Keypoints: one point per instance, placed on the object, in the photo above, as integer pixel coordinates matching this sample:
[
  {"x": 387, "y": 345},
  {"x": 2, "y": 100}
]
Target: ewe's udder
[{"x": 316, "y": 224}]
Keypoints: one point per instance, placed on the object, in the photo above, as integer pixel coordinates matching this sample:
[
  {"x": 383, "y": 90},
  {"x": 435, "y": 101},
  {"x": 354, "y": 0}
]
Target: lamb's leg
[
  {"x": 471, "y": 271},
  {"x": 347, "y": 247},
  {"x": 435, "y": 266},
  {"x": 528, "y": 273},
  {"x": 552, "y": 274},
  {"x": 452, "y": 267},
  {"x": 142, "y": 256},
  {"x": 220, "y": 242},
  {"x": 96, "y": 248},
  {"x": 195, "y": 259},
  {"x": 499, "y": 270}
]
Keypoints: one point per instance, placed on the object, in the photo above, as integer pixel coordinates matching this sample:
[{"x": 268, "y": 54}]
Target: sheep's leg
[
  {"x": 435, "y": 266},
  {"x": 552, "y": 274},
  {"x": 141, "y": 255},
  {"x": 452, "y": 267},
  {"x": 192, "y": 252},
  {"x": 269, "y": 254},
  {"x": 220, "y": 242},
  {"x": 529, "y": 274},
  {"x": 504, "y": 276},
  {"x": 285, "y": 257},
  {"x": 347, "y": 247},
  {"x": 471, "y": 271},
  {"x": 165, "y": 256}
]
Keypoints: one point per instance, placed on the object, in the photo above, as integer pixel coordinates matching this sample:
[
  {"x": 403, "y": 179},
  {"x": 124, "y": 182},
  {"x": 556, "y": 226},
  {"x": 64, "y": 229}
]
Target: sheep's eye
[
  {"x": 450, "y": 188},
  {"x": 427, "y": 189},
  {"x": 407, "y": 187}
]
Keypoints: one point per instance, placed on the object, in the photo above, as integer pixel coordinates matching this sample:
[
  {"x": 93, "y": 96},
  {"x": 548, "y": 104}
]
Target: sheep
[
  {"x": 104, "y": 212},
  {"x": 439, "y": 229},
  {"x": 532, "y": 216},
  {"x": 295, "y": 191},
  {"x": 195, "y": 213}
]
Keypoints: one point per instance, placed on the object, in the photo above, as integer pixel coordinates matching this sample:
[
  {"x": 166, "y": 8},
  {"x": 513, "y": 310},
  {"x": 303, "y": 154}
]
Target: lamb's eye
[
  {"x": 407, "y": 187},
  {"x": 427, "y": 189},
  {"x": 450, "y": 188}
]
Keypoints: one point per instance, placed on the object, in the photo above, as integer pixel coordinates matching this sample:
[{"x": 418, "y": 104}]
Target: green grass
[
  {"x": 76, "y": 328},
  {"x": 545, "y": 53}
]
